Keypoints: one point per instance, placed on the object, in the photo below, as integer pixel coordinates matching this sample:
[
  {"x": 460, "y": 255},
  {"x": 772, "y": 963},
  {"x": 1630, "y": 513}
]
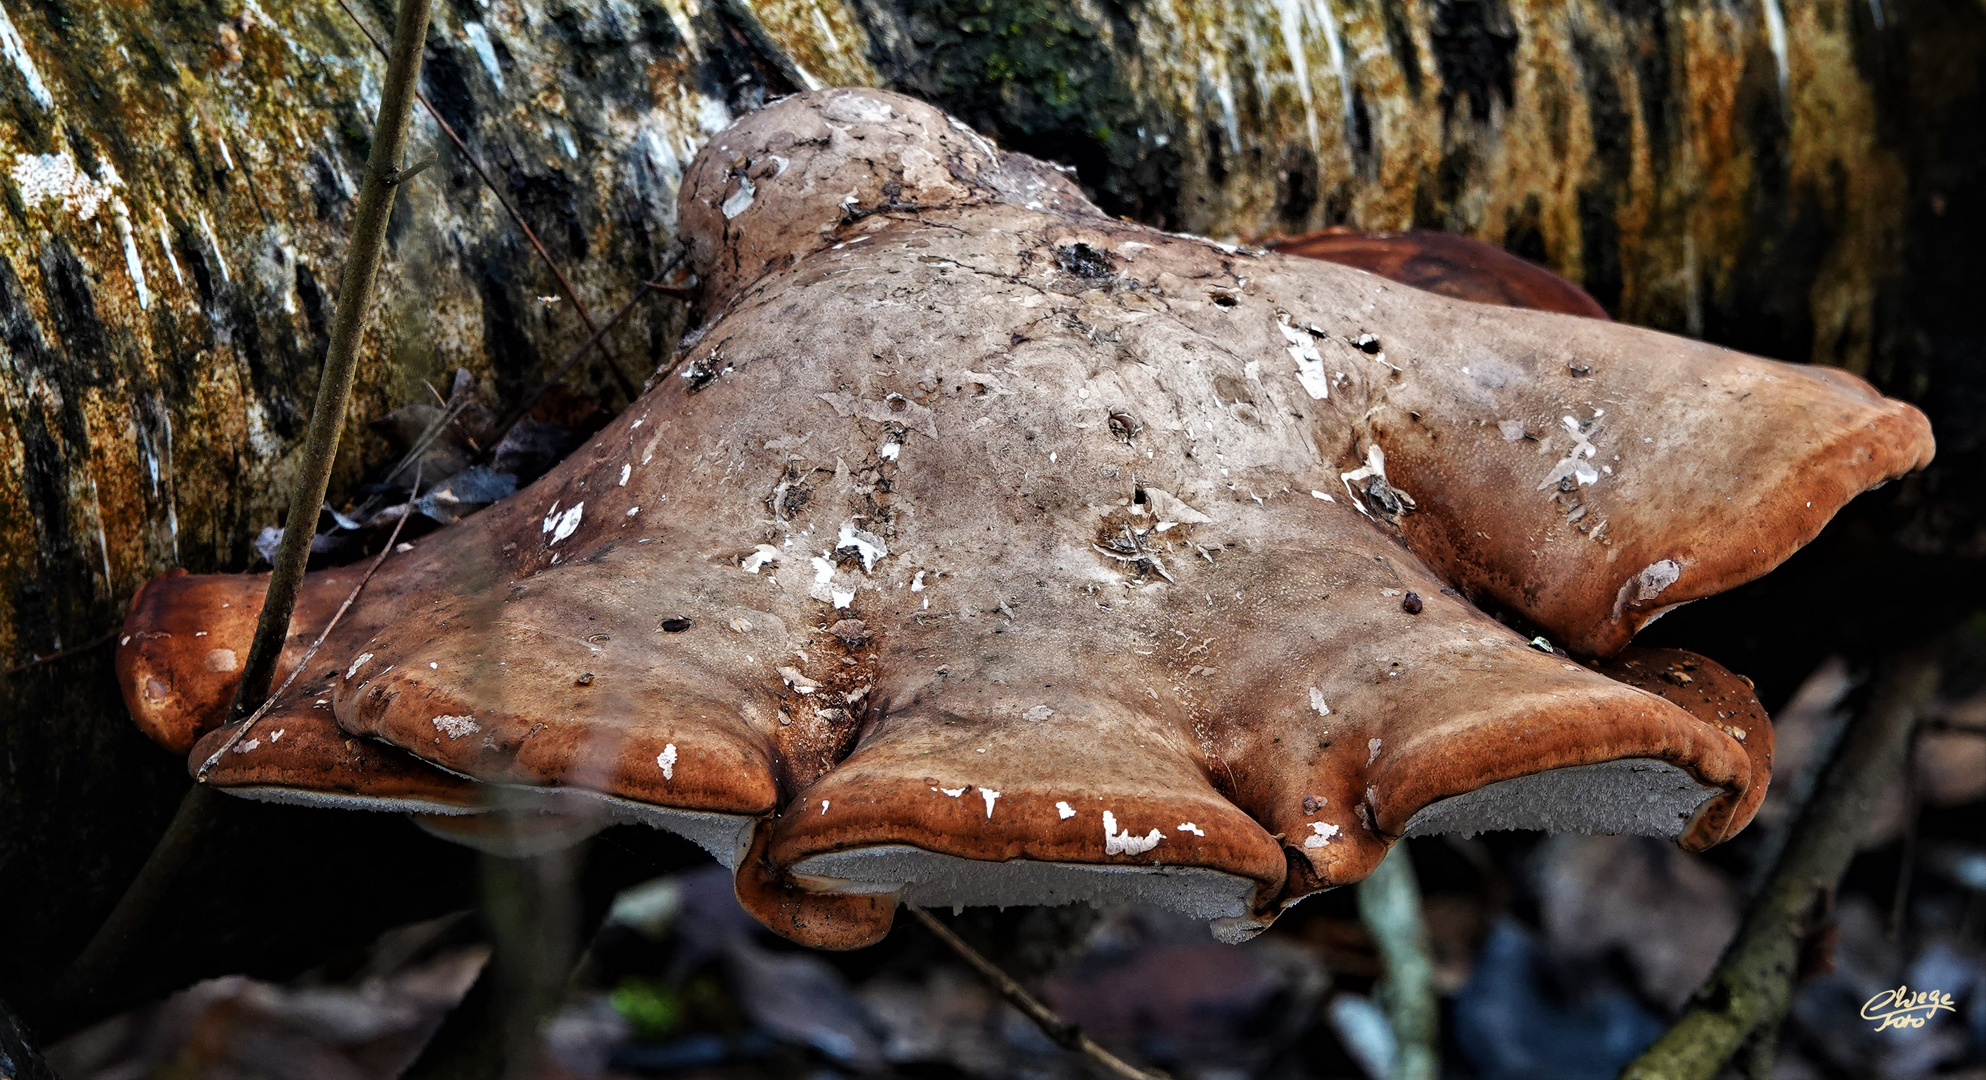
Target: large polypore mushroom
[{"x": 990, "y": 550}]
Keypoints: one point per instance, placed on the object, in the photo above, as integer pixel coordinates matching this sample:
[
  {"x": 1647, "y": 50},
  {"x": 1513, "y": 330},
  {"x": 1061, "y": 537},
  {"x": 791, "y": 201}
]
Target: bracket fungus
[{"x": 985, "y": 549}]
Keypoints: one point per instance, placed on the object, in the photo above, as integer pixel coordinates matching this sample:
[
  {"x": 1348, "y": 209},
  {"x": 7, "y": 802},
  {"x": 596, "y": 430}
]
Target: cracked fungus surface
[{"x": 989, "y": 550}]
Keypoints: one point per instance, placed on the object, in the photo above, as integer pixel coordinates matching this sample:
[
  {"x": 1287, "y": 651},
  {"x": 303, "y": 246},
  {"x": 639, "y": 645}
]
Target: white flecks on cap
[
  {"x": 1317, "y": 702},
  {"x": 456, "y": 727},
  {"x": 1322, "y": 834},
  {"x": 356, "y": 665},
  {"x": 1126, "y": 842},
  {"x": 562, "y": 525},
  {"x": 1187, "y": 826},
  {"x": 761, "y": 555},
  {"x": 667, "y": 759},
  {"x": 990, "y": 796},
  {"x": 868, "y": 545},
  {"x": 1309, "y": 365},
  {"x": 740, "y": 200},
  {"x": 1064, "y": 811}
]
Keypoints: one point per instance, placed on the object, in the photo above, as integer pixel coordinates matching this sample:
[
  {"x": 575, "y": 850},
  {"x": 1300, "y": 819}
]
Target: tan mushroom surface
[{"x": 987, "y": 550}]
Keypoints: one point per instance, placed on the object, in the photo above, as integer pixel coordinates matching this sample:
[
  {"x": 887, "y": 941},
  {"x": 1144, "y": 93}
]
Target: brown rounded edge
[
  {"x": 299, "y": 747},
  {"x": 1890, "y": 440},
  {"x": 170, "y": 711},
  {"x": 186, "y": 637},
  {"x": 870, "y": 812},
  {"x": 1590, "y": 727},
  {"x": 1716, "y": 696},
  {"x": 835, "y": 921}
]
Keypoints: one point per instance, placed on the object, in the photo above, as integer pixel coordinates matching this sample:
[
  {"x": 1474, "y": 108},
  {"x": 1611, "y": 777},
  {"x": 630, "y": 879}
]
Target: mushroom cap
[
  {"x": 186, "y": 636},
  {"x": 1162, "y": 553},
  {"x": 178, "y": 663},
  {"x": 1458, "y": 266}
]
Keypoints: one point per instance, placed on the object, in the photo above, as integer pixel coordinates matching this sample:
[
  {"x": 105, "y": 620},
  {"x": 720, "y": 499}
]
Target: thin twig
[
  {"x": 334, "y": 388},
  {"x": 1748, "y": 994},
  {"x": 1913, "y": 809},
  {"x": 565, "y": 285},
  {"x": 135, "y": 909},
  {"x": 310, "y": 653},
  {"x": 1063, "y": 1033},
  {"x": 517, "y": 412},
  {"x": 453, "y": 406},
  {"x": 60, "y": 654},
  {"x": 1389, "y": 902}
]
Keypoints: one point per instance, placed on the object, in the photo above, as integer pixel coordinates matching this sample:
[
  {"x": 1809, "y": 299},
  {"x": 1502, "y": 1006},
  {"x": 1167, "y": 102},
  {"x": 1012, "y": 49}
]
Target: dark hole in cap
[{"x": 675, "y": 626}]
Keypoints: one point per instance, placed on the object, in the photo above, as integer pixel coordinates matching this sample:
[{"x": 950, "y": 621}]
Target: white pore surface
[
  {"x": 547, "y": 819},
  {"x": 933, "y": 880},
  {"x": 725, "y": 836},
  {"x": 327, "y": 801},
  {"x": 1632, "y": 796}
]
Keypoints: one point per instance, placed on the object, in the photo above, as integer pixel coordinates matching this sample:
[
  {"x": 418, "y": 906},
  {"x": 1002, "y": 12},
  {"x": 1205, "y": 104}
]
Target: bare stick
[
  {"x": 565, "y": 285},
  {"x": 196, "y": 811},
  {"x": 1063, "y": 1033},
  {"x": 308, "y": 654},
  {"x": 59, "y": 654},
  {"x": 524, "y": 406},
  {"x": 1389, "y": 902},
  {"x": 334, "y": 388},
  {"x": 141, "y": 899},
  {"x": 1749, "y": 992}
]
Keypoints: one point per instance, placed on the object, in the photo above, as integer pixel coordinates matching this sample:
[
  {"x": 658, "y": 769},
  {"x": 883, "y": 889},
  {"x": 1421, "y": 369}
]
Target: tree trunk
[{"x": 179, "y": 176}]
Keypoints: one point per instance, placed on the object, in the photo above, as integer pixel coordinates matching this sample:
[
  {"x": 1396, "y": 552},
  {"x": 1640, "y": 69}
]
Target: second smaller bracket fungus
[
  {"x": 1452, "y": 265},
  {"x": 1001, "y": 552}
]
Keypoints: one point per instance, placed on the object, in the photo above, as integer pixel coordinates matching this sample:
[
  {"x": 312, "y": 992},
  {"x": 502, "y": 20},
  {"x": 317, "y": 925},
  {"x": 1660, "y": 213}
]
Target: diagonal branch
[
  {"x": 190, "y": 822},
  {"x": 193, "y": 820},
  {"x": 1747, "y": 996},
  {"x": 1064, "y": 1034}
]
